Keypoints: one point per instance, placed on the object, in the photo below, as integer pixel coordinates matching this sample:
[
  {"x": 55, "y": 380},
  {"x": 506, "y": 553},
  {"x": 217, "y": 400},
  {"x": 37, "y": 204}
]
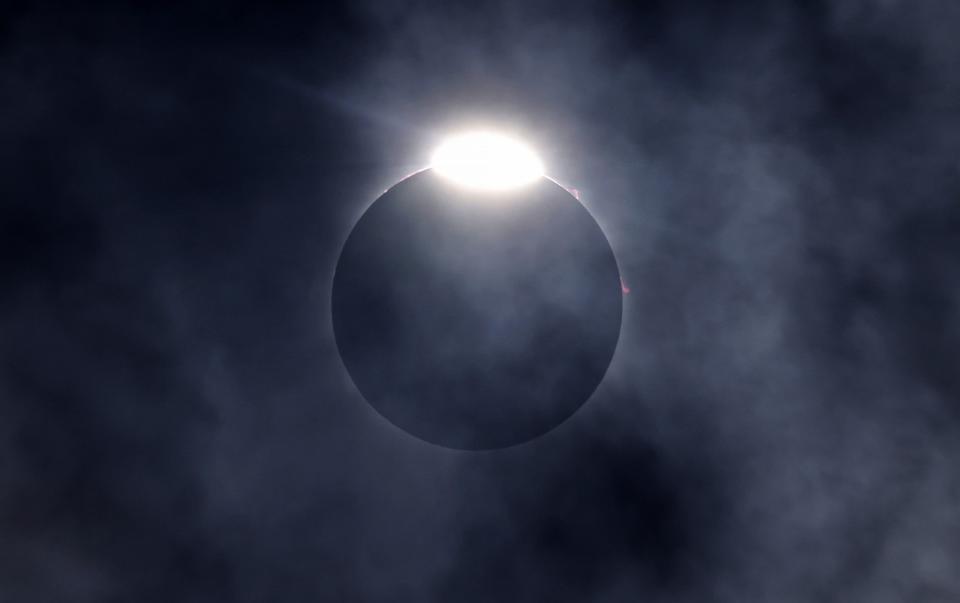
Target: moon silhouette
[{"x": 476, "y": 320}]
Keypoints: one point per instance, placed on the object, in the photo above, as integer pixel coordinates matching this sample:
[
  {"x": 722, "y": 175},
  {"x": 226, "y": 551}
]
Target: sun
[{"x": 487, "y": 161}]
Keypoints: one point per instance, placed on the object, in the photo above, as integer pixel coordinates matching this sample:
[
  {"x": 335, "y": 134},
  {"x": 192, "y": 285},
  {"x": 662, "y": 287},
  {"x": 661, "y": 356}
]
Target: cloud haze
[{"x": 780, "y": 186}]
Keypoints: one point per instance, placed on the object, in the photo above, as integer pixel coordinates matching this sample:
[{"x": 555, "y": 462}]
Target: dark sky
[{"x": 780, "y": 183}]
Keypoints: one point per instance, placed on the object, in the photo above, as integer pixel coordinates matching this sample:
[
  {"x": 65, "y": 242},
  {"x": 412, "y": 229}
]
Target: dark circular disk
[{"x": 475, "y": 319}]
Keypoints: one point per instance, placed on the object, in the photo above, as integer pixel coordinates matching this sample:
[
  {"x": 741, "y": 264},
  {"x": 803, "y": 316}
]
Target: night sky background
[{"x": 780, "y": 183}]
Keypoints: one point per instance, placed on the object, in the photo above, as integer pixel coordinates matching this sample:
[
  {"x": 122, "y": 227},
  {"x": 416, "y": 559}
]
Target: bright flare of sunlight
[{"x": 487, "y": 161}]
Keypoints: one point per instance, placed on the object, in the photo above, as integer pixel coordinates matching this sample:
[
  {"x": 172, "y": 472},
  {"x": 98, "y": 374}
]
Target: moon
[{"x": 476, "y": 318}]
